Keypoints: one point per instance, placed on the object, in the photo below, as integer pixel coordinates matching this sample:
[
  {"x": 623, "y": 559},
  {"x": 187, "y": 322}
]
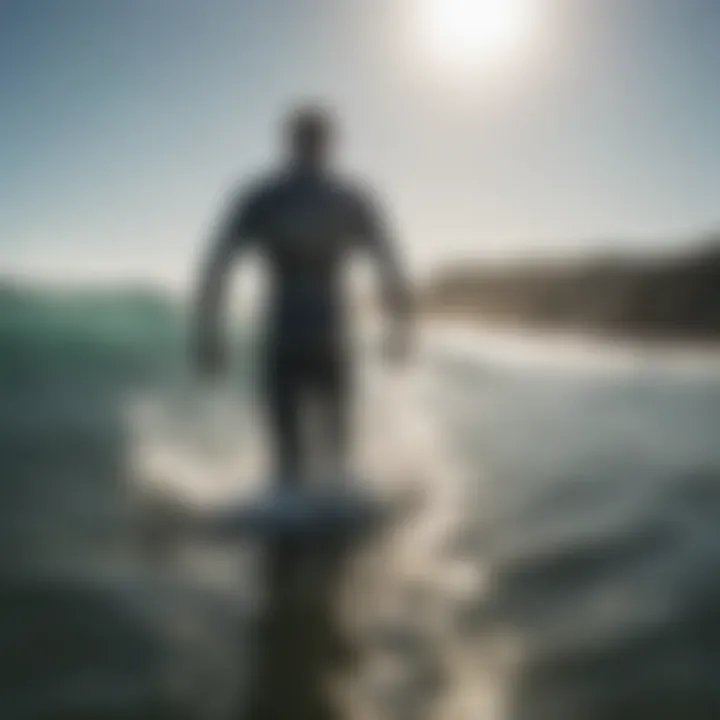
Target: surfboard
[
  {"x": 345, "y": 512},
  {"x": 306, "y": 513}
]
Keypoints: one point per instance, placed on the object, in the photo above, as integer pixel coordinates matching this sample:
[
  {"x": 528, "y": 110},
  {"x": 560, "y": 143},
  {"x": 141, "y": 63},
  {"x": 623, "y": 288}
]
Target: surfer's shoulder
[
  {"x": 261, "y": 188},
  {"x": 355, "y": 193}
]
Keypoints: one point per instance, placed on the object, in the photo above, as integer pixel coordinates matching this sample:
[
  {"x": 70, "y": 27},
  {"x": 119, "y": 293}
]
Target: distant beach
[{"x": 663, "y": 298}]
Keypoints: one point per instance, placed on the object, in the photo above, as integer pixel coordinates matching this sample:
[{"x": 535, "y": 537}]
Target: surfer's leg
[
  {"x": 334, "y": 396},
  {"x": 282, "y": 392}
]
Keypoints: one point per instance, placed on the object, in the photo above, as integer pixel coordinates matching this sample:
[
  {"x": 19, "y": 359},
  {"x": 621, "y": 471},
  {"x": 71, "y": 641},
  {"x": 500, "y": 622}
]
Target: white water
[{"x": 563, "y": 566}]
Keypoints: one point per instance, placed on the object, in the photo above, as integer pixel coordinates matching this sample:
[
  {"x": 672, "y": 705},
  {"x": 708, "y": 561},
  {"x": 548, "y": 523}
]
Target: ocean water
[{"x": 562, "y": 563}]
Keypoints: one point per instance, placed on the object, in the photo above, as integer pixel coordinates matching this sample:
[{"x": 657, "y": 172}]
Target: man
[{"x": 306, "y": 221}]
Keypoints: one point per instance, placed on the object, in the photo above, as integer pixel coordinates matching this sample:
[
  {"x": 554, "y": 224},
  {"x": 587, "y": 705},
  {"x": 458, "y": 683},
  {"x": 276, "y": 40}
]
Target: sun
[{"x": 476, "y": 33}]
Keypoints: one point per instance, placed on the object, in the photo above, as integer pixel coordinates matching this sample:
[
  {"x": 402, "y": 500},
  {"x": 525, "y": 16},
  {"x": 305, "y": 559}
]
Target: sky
[{"x": 124, "y": 125}]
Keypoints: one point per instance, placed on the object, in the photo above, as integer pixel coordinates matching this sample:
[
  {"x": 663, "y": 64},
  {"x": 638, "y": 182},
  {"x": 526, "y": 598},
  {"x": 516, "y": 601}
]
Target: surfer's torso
[{"x": 306, "y": 223}]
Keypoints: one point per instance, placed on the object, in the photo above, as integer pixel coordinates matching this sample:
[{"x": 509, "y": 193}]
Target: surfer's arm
[
  {"x": 379, "y": 240},
  {"x": 232, "y": 235},
  {"x": 210, "y": 303}
]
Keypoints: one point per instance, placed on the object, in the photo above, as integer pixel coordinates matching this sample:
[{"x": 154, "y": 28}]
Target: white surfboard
[{"x": 306, "y": 513}]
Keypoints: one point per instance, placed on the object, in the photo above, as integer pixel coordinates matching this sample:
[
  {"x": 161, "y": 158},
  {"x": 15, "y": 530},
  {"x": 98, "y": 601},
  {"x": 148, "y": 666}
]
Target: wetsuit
[{"x": 306, "y": 223}]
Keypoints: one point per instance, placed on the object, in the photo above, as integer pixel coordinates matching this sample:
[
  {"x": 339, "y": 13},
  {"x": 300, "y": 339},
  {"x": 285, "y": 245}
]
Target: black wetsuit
[{"x": 306, "y": 223}]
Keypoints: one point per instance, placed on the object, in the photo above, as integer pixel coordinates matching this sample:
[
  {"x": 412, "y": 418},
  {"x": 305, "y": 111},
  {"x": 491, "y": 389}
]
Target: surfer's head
[{"x": 310, "y": 131}]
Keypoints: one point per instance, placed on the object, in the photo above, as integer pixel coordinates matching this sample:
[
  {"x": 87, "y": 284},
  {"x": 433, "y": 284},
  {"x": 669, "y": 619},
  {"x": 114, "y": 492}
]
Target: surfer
[{"x": 306, "y": 221}]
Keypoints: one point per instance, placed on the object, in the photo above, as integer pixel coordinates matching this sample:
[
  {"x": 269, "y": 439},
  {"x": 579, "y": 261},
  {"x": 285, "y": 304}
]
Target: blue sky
[{"x": 125, "y": 123}]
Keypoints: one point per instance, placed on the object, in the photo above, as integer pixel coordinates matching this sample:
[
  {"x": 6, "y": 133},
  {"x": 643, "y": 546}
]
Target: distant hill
[{"x": 670, "y": 297}]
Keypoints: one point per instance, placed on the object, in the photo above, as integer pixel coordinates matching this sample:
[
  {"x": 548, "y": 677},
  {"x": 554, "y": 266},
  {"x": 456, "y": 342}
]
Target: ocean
[{"x": 562, "y": 566}]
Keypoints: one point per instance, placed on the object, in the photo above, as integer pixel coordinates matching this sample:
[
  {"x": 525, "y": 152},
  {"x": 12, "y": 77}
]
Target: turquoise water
[{"x": 588, "y": 479}]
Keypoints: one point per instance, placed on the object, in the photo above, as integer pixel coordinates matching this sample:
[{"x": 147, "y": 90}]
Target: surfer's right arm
[{"x": 238, "y": 227}]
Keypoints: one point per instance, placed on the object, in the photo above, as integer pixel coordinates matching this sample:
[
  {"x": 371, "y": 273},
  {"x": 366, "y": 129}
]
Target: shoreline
[
  {"x": 474, "y": 339},
  {"x": 652, "y": 301},
  {"x": 651, "y": 339}
]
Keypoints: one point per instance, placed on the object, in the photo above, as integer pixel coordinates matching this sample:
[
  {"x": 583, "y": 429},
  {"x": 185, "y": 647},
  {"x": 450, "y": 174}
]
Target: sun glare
[{"x": 477, "y": 33}]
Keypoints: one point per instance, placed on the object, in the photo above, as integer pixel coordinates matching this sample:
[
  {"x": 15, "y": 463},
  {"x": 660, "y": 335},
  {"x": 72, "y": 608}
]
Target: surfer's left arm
[
  {"x": 379, "y": 239},
  {"x": 233, "y": 234}
]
